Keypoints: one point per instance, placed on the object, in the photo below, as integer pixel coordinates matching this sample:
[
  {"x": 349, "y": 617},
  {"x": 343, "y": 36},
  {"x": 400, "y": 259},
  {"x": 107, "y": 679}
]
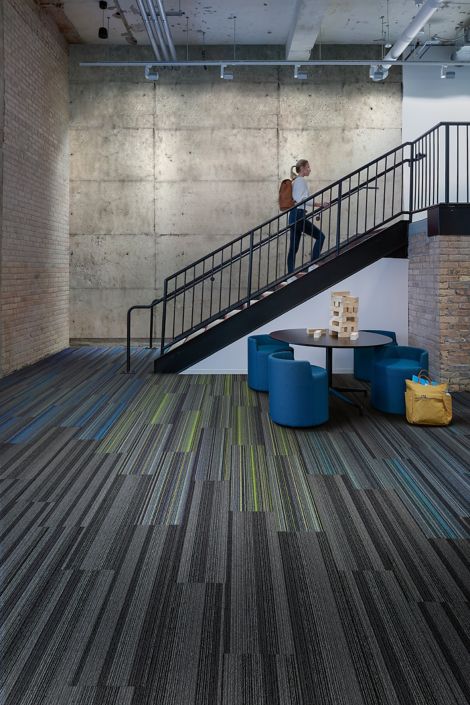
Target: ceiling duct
[{"x": 148, "y": 27}]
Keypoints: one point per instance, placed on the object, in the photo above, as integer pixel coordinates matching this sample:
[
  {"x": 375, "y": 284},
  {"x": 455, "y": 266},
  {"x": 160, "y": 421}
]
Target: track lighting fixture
[
  {"x": 225, "y": 74},
  {"x": 377, "y": 72},
  {"x": 151, "y": 75},
  {"x": 446, "y": 72},
  {"x": 301, "y": 75},
  {"x": 102, "y": 31}
]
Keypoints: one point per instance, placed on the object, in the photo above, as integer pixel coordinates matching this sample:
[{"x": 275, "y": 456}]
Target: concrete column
[{"x": 439, "y": 293}]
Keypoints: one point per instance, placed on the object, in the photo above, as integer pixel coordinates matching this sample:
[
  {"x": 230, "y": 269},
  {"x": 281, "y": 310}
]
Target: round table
[{"x": 299, "y": 336}]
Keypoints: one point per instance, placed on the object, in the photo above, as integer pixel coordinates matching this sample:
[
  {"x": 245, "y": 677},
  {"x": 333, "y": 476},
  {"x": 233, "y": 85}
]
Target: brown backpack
[{"x": 285, "y": 195}]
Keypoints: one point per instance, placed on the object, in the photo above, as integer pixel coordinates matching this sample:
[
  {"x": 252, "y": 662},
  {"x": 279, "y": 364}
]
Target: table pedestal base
[{"x": 339, "y": 391}]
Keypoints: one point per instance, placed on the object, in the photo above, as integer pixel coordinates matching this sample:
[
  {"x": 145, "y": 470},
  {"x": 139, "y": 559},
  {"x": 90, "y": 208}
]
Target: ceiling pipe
[
  {"x": 156, "y": 20},
  {"x": 166, "y": 29},
  {"x": 148, "y": 27},
  {"x": 241, "y": 62},
  {"x": 379, "y": 71},
  {"x": 417, "y": 23},
  {"x": 161, "y": 34},
  {"x": 156, "y": 28}
]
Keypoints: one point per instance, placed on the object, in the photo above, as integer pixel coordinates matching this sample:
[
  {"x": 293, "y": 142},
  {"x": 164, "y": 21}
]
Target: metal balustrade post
[
  {"x": 128, "y": 352},
  {"x": 250, "y": 265},
  {"x": 151, "y": 329},
  {"x": 411, "y": 195},
  {"x": 447, "y": 163},
  {"x": 338, "y": 217},
  {"x": 165, "y": 294}
]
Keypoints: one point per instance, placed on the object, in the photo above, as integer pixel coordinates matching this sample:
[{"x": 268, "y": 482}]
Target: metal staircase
[{"x": 238, "y": 287}]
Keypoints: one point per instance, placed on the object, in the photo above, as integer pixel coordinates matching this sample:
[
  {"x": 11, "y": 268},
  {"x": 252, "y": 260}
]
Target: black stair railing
[{"x": 408, "y": 179}]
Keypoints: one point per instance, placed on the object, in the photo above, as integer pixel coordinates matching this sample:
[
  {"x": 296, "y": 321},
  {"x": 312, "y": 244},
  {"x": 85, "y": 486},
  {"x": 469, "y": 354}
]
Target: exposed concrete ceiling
[
  {"x": 308, "y": 19},
  {"x": 295, "y": 23}
]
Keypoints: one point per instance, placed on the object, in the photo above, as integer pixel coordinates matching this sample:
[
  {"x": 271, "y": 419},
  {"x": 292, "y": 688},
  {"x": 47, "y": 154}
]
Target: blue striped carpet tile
[
  {"x": 32, "y": 428},
  {"x": 438, "y": 513}
]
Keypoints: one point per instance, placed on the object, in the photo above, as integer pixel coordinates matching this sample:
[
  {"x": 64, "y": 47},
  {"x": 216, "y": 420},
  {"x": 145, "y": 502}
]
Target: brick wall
[
  {"x": 2, "y": 124},
  {"x": 34, "y": 238},
  {"x": 454, "y": 305},
  {"x": 439, "y": 304}
]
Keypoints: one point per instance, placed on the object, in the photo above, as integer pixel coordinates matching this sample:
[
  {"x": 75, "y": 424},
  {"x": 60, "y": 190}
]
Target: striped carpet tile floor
[{"x": 164, "y": 543}]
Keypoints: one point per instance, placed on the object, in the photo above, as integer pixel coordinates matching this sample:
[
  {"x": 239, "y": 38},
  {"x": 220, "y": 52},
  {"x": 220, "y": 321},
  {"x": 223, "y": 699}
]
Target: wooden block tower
[{"x": 344, "y": 317}]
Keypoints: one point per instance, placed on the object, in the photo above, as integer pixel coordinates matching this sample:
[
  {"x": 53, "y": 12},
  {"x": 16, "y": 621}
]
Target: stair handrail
[
  {"x": 242, "y": 253},
  {"x": 305, "y": 201},
  {"x": 250, "y": 250},
  {"x": 136, "y": 307}
]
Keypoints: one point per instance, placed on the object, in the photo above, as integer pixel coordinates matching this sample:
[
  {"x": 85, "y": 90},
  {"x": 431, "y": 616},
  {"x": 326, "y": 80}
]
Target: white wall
[
  {"x": 383, "y": 304},
  {"x": 429, "y": 99}
]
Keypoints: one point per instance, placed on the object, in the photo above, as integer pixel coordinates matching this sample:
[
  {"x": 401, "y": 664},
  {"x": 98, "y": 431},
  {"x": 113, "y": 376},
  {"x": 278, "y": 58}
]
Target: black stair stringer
[{"x": 335, "y": 268}]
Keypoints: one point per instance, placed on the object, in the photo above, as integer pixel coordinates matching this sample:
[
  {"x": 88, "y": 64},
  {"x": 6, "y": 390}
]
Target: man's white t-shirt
[{"x": 300, "y": 191}]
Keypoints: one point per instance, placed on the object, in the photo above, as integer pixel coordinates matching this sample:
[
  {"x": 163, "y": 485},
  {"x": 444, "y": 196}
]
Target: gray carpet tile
[{"x": 164, "y": 543}]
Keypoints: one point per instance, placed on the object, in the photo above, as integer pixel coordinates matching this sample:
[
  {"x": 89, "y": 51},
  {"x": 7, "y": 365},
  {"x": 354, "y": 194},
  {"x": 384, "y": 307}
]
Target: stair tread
[
  {"x": 195, "y": 334},
  {"x": 232, "y": 313},
  {"x": 214, "y": 323}
]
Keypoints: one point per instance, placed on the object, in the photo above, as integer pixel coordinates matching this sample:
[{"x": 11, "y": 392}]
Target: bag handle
[{"x": 423, "y": 374}]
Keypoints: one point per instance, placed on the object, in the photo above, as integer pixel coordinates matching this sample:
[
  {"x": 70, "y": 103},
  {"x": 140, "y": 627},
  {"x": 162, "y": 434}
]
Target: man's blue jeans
[{"x": 300, "y": 225}]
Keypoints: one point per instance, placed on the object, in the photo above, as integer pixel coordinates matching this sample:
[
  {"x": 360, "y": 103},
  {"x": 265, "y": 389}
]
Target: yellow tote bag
[{"x": 426, "y": 404}]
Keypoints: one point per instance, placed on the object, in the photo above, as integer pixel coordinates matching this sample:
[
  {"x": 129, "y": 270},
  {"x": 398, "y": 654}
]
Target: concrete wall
[
  {"x": 163, "y": 172},
  {"x": 34, "y": 234}
]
